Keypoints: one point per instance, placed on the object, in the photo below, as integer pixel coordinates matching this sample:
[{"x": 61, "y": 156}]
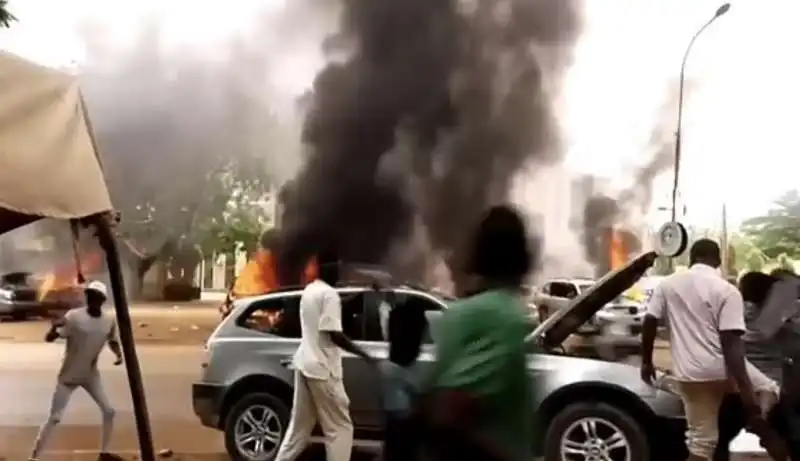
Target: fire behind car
[{"x": 247, "y": 376}]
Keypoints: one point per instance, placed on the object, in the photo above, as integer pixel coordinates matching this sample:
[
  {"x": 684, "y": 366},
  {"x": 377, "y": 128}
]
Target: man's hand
[
  {"x": 648, "y": 373},
  {"x": 118, "y": 360}
]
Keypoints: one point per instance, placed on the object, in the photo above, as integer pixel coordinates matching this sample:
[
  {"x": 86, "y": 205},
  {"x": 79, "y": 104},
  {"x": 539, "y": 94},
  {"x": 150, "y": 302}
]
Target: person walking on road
[
  {"x": 319, "y": 393},
  {"x": 479, "y": 397},
  {"x": 705, "y": 315},
  {"x": 86, "y": 330}
]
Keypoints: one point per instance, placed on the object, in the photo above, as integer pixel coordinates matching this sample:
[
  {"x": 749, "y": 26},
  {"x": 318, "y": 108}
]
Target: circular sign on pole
[{"x": 671, "y": 239}]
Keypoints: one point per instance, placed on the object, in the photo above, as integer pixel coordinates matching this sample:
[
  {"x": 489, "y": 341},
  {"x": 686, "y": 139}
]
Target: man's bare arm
[
  {"x": 53, "y": 333},
  {"x": 733, "y": 352},
  {"x": 345, "y": 343}
]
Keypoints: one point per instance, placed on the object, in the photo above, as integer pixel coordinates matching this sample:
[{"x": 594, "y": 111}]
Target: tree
[
  {"x": 6, "y": 18},
  {"x": 779, "y": 230}
]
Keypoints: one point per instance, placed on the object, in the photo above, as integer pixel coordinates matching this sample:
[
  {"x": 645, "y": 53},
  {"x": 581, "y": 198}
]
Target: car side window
[
  {"x": 281, "y": 316},
  {"x": 571, "y": 290},
  {"x": 354, "y": 322},
  {"x": 558, "y": 289},
  {"x": 278, "y": 316},
  {"x": 379, "y": 318}
]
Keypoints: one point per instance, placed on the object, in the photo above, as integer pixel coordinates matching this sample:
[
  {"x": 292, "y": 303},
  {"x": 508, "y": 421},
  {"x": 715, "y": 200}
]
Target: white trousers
[
  {"x": 61, "y": 397},
  {"x": 324, "y": 402}
]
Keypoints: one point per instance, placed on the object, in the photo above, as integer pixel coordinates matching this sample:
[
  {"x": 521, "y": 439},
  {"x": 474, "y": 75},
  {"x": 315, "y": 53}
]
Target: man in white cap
[{"x": 86, "y": 330}]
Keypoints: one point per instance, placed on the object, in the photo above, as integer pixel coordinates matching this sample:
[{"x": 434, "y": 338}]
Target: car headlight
[{"x": 6, "y": 295}]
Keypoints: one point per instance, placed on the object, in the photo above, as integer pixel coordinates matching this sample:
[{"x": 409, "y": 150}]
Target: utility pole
[{"x": 723, "y": 241}]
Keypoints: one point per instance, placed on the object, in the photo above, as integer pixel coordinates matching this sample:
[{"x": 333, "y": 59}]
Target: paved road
[{"x": 27, "y": 379}]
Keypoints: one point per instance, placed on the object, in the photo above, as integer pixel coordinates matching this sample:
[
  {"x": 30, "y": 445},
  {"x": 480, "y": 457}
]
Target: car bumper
[
  {"x": 10, "y": 307},
  {"x": 630, "y": 322},
  {"x": 207, "y": 402}
]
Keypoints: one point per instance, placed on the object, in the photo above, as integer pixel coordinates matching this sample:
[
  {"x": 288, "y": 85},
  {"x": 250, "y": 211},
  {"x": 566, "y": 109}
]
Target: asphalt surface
[{"x": 27, "y": 379}]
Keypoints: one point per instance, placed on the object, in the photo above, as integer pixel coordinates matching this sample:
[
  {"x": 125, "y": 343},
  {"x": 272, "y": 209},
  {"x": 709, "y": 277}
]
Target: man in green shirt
[{"x": 480, "y": 391}]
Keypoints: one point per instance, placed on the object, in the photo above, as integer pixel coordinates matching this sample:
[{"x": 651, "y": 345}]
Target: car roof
[{"x": 350, "y": 288}]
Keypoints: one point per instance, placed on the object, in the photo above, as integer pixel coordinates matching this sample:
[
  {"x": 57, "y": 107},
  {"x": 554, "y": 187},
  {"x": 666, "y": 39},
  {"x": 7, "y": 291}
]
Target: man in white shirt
[
  {"x": 86, "y": 330},
  {"x": 705, "y": 315},
  {"x": 319, "y": 393}
]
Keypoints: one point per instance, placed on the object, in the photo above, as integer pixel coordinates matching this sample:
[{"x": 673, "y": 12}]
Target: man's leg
[
  {"x": 95, "y": 390},
  {"x": 59, "y": 403},
  {"x": 333, "y": 411},
  {"x": 302, "y": 422},
  {"x": 731, "y": 420},
  {"x": 701, "y": 403}
]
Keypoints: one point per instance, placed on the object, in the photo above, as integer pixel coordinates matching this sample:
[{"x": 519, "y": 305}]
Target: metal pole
[
  {"x": 681, "y": 84},
  {"x": 105, "y": 236}
]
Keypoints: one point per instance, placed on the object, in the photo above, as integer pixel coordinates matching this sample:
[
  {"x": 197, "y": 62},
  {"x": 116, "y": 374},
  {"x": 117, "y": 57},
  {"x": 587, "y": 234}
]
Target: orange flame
[
  {"x": 260, "y": 275},
  {"x": 65, "y": 277},
  {"x": 618, "y": 250}
]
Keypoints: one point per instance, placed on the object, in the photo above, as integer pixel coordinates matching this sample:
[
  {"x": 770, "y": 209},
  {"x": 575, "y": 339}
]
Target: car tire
[
  {"x": 256, "y": 403},
  {"x": 19, "y": 316},
  {"x": 611, "y": 419}
]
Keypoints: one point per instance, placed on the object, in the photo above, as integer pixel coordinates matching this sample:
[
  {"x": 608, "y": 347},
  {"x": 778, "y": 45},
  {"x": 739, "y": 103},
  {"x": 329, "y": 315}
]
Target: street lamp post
[
  {"x": 677, "y": 165},
  {"x": 677, "y": 159}
]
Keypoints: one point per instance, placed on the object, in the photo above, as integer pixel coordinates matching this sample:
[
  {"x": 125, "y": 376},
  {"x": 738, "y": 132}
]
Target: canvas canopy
[{"x": 49, "y": 167}]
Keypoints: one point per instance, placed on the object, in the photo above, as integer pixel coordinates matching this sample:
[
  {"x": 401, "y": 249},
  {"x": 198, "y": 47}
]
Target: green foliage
[
  {"x": 778, "y": 231},
  {"x": 6, "y": 18}
]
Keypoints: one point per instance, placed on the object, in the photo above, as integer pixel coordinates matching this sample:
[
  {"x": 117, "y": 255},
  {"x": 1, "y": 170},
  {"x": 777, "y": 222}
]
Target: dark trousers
[
  {"x": 732, "y": 419},
  {"x": 401, "y": 439}
]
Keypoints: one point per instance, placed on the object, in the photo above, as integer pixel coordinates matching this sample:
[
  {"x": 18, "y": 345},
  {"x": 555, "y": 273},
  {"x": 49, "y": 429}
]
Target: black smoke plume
[
  {"x": 438, "y": 105},
  {"x": 602, "y": 212}
]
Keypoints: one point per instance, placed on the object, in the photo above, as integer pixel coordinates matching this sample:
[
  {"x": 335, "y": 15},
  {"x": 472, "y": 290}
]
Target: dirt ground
[{"x": 153, "y": 323}]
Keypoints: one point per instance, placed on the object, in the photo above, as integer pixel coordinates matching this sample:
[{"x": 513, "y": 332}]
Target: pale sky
[{"x": 737, "y": 126}]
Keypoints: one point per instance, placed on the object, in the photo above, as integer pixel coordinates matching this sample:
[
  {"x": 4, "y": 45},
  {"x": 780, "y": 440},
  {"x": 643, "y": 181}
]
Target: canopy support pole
[{"x": 105, "y": 236}]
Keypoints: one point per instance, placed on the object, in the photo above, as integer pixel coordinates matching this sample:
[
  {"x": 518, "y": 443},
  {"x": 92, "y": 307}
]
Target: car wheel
[
  {"x": 255, "y": 427},
  {"x": 19, "y": 316},
  {"x": 595, "y": 431}
]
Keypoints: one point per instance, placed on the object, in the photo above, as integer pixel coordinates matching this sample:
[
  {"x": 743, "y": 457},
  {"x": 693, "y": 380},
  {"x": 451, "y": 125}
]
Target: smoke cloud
[
  {"x": 602, "y": 211},
  {"x": 424, "y": 118}
]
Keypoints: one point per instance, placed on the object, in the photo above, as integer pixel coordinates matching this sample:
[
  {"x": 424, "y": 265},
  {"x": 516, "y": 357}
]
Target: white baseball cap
[{"x": 98, "y": 286}]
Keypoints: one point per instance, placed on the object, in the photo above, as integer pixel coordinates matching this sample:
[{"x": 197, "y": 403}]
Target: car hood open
[{"x": 564, "y": 322}]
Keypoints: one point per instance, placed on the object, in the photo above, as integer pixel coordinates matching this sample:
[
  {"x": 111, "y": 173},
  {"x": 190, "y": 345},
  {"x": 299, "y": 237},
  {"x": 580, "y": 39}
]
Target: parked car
[
  {"x": 558, "y": 294},
  {"x": 18, "y": 296},
  {"x": 620, "y": 317},
  {"x": 245, "y": 389}
]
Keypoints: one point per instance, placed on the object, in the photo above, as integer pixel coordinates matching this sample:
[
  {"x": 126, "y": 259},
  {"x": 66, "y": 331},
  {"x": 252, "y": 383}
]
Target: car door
[
  {"x": 359, "y": 376},
  {"x": 376, "y": 342}
]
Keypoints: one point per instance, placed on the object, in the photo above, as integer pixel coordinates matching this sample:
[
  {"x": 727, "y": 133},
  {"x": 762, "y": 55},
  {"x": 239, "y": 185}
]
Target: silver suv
[{"x": 586, "y": 405}]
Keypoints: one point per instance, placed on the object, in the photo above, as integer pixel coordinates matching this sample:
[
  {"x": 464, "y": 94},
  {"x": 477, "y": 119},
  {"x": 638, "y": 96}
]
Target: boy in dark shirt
[{"x": 400, "y": 382}]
